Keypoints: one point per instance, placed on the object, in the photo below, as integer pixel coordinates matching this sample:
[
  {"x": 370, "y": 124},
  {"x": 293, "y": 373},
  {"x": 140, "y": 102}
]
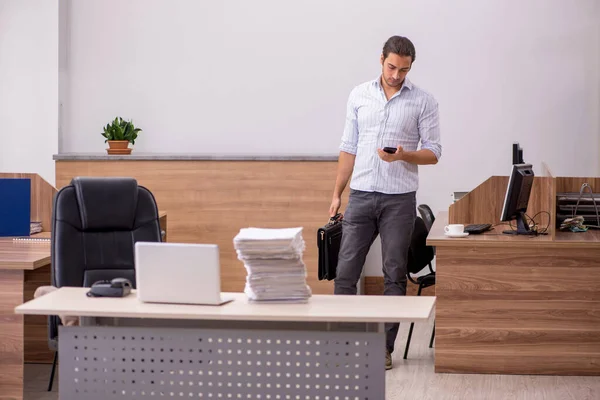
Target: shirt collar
[{"x": 407, "y": 83}]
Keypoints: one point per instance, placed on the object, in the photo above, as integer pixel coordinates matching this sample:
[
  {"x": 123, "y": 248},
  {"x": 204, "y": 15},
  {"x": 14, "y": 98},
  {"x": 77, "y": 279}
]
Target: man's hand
[
  {"x": 336, "y": 202},
  {"x": 397, "y": 156}
]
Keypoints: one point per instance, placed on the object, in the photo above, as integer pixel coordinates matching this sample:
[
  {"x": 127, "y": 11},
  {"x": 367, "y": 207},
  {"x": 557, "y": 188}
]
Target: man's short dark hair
[{"x": 399, "y": 45}]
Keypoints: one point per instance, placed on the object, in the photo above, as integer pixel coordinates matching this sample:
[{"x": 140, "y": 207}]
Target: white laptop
[{"x": 178, "y": 273}]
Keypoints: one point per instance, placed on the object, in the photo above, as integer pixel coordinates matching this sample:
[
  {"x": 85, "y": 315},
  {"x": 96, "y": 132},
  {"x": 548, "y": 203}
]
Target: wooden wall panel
[
  {"x": 484, "y": 203},
  {"x": 11, "y": 335},
  {"x": 210, "y": 201},
  {"x": 573, "y": 184},
  {"x": 518, "y": 310}
]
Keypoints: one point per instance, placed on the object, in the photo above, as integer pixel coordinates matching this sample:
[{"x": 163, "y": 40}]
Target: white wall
[
  {"x": 271, "y": 77},
  {"x": 28, "y": 86},
  {"x": 64, "y": 12}
]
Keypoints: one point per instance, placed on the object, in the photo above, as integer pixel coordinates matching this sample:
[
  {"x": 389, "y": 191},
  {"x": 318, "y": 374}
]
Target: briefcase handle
[{"x": 335, "y": 219}]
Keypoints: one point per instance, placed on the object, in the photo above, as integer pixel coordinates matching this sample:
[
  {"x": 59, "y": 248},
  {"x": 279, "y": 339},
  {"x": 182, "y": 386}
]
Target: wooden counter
[{"x": 514, "y": 304}]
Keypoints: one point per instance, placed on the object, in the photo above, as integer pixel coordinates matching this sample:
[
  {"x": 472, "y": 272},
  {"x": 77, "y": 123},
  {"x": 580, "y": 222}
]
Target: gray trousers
[{"x": 367, "y": 215}]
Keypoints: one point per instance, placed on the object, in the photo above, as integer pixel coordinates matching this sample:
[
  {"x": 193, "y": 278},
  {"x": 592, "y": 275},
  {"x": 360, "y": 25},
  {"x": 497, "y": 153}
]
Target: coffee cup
[{"x": 454, "y": 229}]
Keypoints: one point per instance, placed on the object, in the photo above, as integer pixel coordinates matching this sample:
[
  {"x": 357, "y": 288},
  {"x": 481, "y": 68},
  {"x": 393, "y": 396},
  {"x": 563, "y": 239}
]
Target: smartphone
[{"x": 390, "y": 150}]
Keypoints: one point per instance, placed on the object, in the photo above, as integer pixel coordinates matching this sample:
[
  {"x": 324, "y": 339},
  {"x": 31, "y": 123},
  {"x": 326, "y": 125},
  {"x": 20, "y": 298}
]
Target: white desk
[{"x": 332, "y": 347}]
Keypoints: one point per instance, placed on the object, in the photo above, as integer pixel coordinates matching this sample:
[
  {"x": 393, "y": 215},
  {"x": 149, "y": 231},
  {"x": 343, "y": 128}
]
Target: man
[{"x": 387, "y": 112}]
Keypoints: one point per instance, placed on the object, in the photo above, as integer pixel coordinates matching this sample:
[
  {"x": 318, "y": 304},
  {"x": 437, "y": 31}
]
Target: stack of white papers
[{"x": 273, "y": 261}]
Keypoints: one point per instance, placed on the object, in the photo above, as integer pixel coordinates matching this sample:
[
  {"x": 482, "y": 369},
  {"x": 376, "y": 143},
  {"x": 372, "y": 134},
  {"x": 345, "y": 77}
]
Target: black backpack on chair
[{"x": 419, "y": 254}]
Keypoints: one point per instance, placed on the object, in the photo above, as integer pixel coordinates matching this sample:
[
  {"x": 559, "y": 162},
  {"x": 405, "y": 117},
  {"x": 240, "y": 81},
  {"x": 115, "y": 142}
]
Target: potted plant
[{"x": 119, "y": 133}]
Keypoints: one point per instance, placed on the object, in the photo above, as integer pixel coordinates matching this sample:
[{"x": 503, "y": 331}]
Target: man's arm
[
  {"x": 347, "y": 156},
  {"x": 429, "y": 131},
  {"x": 420, "y": 157},
  {"x": 344, "y": 171}
]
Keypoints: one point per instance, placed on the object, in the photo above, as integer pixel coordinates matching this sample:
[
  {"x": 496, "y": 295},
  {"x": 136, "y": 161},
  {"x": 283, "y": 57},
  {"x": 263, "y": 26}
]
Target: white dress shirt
[{"x": 372, "y": 122}]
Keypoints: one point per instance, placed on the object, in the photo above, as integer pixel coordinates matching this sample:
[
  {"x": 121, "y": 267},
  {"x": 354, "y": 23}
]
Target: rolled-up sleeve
[
  {"x": 429, "y": 128},
  {"x": 350, "y": 136}
]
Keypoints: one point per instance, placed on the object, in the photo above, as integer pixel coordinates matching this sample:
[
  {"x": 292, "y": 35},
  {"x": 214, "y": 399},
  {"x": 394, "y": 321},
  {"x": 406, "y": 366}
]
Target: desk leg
[
  {"x": 11, "y": 335},
  {"x": 36, "y": 326},
  {"x": 239, "y": 361},
  {"x": 162, "y": 221}
]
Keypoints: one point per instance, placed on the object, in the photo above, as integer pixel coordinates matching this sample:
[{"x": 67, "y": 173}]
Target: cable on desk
[
  {"x": 535, "y": 228},
  {"x": 536, "y": 225}
]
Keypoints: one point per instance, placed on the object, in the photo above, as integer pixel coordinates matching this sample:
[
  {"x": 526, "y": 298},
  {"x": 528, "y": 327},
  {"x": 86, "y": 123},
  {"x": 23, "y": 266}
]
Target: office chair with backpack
[{"x": 420, "y": 256}]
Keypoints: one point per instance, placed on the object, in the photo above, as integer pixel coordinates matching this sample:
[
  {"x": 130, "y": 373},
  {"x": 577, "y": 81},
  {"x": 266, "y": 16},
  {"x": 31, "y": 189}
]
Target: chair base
[
  {"x": 424, "y": 284},
  {"x": 53, "y": 371}
]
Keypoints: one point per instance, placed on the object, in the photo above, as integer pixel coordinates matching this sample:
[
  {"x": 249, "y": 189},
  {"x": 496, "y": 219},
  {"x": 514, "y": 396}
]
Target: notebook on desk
[{"x": 15, "y": 207}]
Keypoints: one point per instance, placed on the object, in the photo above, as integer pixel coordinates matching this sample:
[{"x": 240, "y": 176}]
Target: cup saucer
[{"x": 457, "y": 235}]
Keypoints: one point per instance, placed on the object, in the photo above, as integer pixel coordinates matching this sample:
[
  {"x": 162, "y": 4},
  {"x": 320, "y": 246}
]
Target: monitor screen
[{"x": 517, "y": 195}]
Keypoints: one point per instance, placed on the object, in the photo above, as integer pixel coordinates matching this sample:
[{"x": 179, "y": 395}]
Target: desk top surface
[
  {"x": 495, "y": 237},
  {"x": 320, "y": 308},
  {"x": 24, "y": 254}
]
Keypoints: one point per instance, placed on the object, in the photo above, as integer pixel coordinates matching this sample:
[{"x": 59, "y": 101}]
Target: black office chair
[
  {"x": 420, "y": 256},
  {"x": 95, "y": 225},
  {"x": 426, "y": 215}
]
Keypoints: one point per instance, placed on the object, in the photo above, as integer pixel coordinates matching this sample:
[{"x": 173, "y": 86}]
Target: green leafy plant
[{"x": 119, "y": 129}]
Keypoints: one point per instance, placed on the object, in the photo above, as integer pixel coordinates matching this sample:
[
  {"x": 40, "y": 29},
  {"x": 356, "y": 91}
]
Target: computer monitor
[
  {"x": 517, "y": 154},
  {"x": 517, "y": 198}
]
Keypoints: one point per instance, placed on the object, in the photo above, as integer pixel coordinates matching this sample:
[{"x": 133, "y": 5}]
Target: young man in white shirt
[{"x": 389, "y": 111}]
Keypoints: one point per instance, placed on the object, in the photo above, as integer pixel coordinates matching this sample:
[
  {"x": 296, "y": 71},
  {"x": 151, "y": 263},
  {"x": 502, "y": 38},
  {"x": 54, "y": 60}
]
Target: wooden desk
[
  {"x": 25, "y": 266},
  {"x": 333, "y": 346},
  {"x": 511, "y": 304},
  {"x": 22, "y": 266}
]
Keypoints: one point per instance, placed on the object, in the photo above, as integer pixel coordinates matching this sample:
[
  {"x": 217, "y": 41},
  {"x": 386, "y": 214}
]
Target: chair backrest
[
  {"x": 95, "y": 224},
  {"x": 419, "y": 254},
  {"x": 427, "y": 215}
]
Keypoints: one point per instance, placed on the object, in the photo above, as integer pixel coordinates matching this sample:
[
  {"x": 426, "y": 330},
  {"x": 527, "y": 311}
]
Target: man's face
[{"x": 395, "y": 68}]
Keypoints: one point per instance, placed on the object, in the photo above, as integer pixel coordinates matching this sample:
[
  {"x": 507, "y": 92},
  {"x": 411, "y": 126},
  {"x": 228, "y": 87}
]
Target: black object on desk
[
  {"x": 477, "y": 228},
  {"x": 118, "y": 287}
]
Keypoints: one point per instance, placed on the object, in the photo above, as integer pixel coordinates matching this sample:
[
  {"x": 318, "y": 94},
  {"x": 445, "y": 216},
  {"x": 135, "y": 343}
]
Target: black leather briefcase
[{"x": 329, "y": 238}]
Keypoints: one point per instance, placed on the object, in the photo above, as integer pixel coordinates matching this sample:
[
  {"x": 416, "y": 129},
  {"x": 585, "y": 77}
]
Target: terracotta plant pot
[{"x": 118, "y": 147}]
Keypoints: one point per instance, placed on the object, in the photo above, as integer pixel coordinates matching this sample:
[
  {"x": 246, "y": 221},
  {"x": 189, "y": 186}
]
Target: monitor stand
[{"x": 522, "y": 226}]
